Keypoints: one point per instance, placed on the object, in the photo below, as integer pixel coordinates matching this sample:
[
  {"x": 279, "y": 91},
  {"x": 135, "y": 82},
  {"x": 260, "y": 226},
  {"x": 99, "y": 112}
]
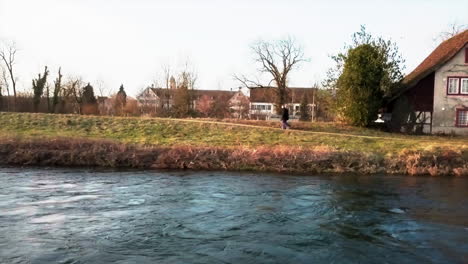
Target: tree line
[
  {"x": 74, "y": 95},
  {"x": 366, "y": 73},
  {"x": 355, "y": 92}
]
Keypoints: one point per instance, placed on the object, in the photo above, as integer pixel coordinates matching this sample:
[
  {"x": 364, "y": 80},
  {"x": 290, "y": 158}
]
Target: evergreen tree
[
  {"x": 359, "y": 95},
  {"x": 368, "y": 72},
  {"x": 304, "y": 108},
  {"x": 38, "y": 88},
  {"x": 88, "y": 95},
  {"x": 89, "y": 101},
  {"x": 120, "y": 101}
]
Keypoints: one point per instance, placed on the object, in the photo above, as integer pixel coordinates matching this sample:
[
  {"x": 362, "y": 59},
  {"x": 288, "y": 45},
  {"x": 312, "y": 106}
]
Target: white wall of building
[{"x": 445, "y": 106}]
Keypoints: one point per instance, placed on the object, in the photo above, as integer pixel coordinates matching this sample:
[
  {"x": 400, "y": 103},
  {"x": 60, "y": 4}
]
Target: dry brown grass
[
  {"x": 100, "y": 153},
  {"x": 435, "y": 162}
]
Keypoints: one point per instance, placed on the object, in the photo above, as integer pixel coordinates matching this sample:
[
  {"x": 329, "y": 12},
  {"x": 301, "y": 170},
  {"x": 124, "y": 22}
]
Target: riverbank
[{"x": 151, "y": 143}]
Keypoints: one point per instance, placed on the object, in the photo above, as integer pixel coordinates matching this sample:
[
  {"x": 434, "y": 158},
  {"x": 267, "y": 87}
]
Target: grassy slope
[{"x": 169, "y": 132}]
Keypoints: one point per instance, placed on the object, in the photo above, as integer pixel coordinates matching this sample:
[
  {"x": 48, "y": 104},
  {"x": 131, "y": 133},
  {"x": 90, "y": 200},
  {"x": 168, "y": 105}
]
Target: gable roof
[
  {"x": 443, "y": 53},
  {"x": 268, "y": 94}
]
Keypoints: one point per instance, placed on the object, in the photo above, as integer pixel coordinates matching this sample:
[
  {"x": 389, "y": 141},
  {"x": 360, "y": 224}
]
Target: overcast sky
[{"x": 128, "y": 41}]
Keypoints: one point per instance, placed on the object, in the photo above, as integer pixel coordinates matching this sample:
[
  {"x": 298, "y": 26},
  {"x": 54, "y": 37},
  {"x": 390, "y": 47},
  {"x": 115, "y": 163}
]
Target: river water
[{"x": 86, "y": 216}]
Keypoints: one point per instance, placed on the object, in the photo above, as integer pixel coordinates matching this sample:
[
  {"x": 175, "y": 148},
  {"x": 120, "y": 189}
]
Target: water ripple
[{"x": 85, "y": 216}]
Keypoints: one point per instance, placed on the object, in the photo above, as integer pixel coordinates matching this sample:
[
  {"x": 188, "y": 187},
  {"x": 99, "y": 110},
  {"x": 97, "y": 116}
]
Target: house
[
  {"x": 436, "y": 92},
  {"x": 152, "y": 98},
  {"x": 239, "y": 105},
  {"x": 262, "y": 101},
  {"x": 202, "y": 100}
]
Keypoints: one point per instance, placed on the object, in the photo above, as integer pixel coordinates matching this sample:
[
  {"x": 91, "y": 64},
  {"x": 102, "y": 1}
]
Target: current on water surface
[{"x": 85, "y": 216}]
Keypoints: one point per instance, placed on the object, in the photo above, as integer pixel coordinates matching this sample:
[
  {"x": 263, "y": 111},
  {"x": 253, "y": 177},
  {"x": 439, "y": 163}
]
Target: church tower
[{"x": 172, "y": 83}]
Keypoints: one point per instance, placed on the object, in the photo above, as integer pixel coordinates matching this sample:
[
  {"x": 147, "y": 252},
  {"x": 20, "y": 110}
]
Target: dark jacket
[{"x": 285, "y": 115}]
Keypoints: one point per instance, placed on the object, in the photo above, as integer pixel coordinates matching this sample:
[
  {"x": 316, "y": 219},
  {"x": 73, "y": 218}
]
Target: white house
[{"x": 262, "y": 101}]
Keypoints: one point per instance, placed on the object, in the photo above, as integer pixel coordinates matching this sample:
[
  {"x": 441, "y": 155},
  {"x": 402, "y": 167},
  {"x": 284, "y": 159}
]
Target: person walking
[{"x": 285, "y": 118}]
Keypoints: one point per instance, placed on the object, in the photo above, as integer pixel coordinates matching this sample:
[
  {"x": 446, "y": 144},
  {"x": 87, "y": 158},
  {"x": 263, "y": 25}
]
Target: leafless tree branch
[
  {"x": 276, "y": 59},
  {"x": 452, "y": 30},
  {"x": 8, "y": 57}
]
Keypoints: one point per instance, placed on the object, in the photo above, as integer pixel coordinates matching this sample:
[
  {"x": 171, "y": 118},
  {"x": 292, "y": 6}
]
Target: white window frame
[
  {"x": 460, "y": 112},
  {"x": 464, "y": 80},
  {"x": 457, "y": 86}
]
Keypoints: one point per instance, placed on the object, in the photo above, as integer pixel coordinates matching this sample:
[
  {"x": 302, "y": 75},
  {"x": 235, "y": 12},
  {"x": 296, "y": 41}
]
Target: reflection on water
[{"x": 82, "y": 216}]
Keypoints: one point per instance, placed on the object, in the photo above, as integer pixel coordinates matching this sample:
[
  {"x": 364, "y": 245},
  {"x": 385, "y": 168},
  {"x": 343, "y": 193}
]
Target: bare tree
[
  {"x": 183, "y": 96},
  {"x": 163, "y": 76},
  {"x": 166, "y": 69},
  {"x": 276, "y": 59},
  {"x": 4, "y": 81},
  {"x": 103, "y": 90},
  {"x": 1, "y": 95},
  {"x": 452, "y": 30},
  {"x": 188, "y": 76},
  {"x": 73, "y": 93},
  {"x": 183, "y": 102},
  {"x": 166, "y": 80},
  {"x": 8, "y": 56}
]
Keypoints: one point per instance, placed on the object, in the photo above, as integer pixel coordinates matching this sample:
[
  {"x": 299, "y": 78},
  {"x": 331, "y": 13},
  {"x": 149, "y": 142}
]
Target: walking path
[{"x": 289, "y": 130}]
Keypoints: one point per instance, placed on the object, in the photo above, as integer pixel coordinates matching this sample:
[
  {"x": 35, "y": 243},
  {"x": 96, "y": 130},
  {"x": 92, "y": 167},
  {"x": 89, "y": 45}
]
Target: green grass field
[{"x": 191, "y": 132}]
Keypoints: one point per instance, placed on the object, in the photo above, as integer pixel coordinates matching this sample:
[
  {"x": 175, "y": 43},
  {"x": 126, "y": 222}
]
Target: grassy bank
[{"x": 68, "y": 140}]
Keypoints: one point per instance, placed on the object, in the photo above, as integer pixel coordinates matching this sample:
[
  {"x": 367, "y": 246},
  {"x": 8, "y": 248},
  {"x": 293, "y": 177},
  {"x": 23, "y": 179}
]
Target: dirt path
[{"x": 289, "y": 130}]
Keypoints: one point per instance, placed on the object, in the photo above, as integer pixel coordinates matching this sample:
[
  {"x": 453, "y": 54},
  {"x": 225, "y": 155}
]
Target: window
[
  {"x": 452, "y": 86},
  {"x": 261, "y": 107},
  {"x": 464, "y": 86},
  {"x": 462, "y": 118},
  {"x": 269, "y": 107},
  {"x": 457, "y": 85}
]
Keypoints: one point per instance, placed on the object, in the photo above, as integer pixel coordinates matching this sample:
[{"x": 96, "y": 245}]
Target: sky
[{"x": 113, "y": 42}]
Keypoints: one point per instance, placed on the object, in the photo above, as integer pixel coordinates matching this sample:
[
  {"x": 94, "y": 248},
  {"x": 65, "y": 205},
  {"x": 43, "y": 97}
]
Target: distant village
[
  {"x": 433, "y": 98},
  {"x": 251, "y": 103},
  {"x": 178, "y": 99}
]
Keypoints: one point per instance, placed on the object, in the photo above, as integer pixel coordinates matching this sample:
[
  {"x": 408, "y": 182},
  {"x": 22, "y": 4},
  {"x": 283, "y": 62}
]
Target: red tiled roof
[
  {"x": 268, "y": 94},
  {"x": 443, "y": 53},
  {"x": 212, "y": 94},
  {"x": 215, "y": 94},
  {"x": 262, "y": 95}
]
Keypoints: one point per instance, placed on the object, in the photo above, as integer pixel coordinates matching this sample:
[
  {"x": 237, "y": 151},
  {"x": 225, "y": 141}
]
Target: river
[{"x": 89, "y": 216}]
